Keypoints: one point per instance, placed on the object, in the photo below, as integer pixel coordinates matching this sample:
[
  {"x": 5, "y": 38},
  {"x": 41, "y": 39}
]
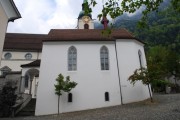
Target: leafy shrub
[{"x": 7, "y": 98}]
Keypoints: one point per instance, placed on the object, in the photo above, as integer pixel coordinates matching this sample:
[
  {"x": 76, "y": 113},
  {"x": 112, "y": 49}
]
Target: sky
[{"x": 39, "y": 16}]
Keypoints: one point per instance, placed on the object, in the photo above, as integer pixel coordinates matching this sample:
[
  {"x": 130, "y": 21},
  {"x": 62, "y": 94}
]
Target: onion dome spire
[{"x": 82, "y": 13}]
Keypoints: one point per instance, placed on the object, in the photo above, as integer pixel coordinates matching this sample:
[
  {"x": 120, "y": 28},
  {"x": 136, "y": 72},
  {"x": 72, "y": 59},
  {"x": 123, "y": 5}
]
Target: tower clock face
[{"x": 86, "y": 19}]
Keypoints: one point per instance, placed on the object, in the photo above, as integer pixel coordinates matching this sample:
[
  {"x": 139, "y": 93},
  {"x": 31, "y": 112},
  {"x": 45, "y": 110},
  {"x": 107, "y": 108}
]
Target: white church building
[
  {"x": 100, "y": 64},
  {"x": 101, "y": 67}
]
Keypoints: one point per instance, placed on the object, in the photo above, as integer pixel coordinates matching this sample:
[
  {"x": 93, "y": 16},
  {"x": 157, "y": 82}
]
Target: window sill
[
  {"x": 72, "y": 71},
  {"x": 105, "y": 70}
]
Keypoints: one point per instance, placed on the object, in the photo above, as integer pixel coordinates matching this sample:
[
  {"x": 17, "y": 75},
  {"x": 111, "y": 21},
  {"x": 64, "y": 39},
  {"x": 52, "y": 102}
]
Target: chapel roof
[
  {"x": 19, "y": 41},
  {"x": 87, "y": 35},
  {"x": 33, "y": 42}
]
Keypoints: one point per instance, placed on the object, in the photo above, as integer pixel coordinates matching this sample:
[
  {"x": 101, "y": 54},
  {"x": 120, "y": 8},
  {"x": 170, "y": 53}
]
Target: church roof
[
  {"x": 87, "y": 35},
  {"x": 35, "y": 63},
  {"x": 17, "y": 41},
  {"x": 33, "y": 42}
]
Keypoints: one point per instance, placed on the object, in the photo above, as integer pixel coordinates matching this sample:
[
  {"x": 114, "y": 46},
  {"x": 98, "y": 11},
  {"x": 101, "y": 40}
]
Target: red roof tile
[
  {"x": 86, "y": 35},
  {"x": 17, "y": 41}
]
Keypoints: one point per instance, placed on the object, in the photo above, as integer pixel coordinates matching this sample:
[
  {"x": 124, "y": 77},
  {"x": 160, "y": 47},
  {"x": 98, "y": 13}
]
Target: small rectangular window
[
  {"x": 106, "y": 96},
  {"x": 70, "y": 97}
]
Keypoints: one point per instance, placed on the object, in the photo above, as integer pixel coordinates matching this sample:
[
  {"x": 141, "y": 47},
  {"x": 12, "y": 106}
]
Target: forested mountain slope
[{"x": 163, "y": 27}]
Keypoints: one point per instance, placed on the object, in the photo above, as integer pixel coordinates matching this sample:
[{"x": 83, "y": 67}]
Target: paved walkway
[{"x": 166, "y": 107}]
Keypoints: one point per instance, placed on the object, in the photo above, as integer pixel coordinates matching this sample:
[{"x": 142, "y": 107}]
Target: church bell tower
[{"x": 85, "y": 21}]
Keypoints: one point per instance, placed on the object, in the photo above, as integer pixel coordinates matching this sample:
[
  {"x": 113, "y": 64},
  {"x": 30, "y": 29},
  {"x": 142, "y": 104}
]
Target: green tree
[
  {"x": 143, "y": 75},
  {"x": 157, "y": 66},
  {"x": 160, "y": 61},
  {"x": 115, "y": 8},
  {"x": 7, "y": 98},
  {"x": 173, "y": 68},
  {"x": 163, "y": 59},
  {"x": 164, "y": 29},
  {"x": 63, "y": 86}
]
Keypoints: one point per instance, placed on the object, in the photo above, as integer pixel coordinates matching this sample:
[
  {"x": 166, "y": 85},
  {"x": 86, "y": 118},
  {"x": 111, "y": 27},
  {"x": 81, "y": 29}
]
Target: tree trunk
[
  {"x": 58, "y": 103},
  {"x": 150, "y": 93}
]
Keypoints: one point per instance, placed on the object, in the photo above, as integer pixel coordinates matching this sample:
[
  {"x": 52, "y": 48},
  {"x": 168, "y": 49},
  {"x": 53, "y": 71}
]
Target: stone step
[
  {"x": 29, "y": 110},
  {"x": 26, "y": 113}
]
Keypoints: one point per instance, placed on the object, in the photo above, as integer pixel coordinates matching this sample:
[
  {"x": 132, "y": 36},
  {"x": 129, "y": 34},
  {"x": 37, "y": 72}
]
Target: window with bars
[
  {"x": 72, "y": 59},
  {"x": 104, "y": 56}
]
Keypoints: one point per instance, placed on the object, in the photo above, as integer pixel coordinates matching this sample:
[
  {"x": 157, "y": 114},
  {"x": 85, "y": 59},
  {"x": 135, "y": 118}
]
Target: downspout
[{"x": 118, "y": 74}]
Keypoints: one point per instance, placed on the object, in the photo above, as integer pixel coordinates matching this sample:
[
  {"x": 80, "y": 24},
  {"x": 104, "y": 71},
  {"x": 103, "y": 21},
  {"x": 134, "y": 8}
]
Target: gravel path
[{"x": 165, "y": 107}]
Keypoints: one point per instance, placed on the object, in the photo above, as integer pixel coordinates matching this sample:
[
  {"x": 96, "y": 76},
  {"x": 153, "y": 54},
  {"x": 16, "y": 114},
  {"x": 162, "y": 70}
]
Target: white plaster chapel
[{"x": 99, "y": 64}]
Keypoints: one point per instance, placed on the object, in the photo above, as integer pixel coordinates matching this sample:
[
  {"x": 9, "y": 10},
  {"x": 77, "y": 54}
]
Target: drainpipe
[{"x": 118, "y": 74}]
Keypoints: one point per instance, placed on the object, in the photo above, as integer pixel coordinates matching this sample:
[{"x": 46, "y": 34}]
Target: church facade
[{"x": 100, "y": 64}]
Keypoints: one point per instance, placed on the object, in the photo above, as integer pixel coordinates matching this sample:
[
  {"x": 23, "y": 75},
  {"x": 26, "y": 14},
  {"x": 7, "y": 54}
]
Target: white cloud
[
  {"x": 39, "y": 16},
  {"x": 34, "y": 14}
]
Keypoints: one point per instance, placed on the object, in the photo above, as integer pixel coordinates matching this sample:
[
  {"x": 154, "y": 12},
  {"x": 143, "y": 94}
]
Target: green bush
[{"x": 7, "y": 98}]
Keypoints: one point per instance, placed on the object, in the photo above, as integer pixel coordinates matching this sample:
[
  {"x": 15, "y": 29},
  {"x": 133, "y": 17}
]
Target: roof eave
[
  {"x": 16, "y": 11},
  {"x": 55, "y": 40},
  {"x": 140, "y": 41},
  {"x": 13, "y": 18}
]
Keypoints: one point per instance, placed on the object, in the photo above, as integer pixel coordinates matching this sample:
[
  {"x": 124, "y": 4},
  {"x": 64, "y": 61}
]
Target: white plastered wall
[
  {"x": 18, "y": 59},
  {"x": 92, "y": 81},
  {"x": 81, "y": 24},
  {"x": 128, "y": 59}
]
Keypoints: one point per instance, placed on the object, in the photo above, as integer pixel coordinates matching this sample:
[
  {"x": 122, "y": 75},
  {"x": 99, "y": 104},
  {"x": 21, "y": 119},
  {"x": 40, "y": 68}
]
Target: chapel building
[{"x": 100, "y": 64}]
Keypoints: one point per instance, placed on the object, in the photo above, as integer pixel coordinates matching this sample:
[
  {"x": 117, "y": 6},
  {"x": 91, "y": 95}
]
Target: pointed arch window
[
  {"x": 72, "y": 59},
  {"x": 104, "y": 56},
  {"x": 140, "y": 58}
]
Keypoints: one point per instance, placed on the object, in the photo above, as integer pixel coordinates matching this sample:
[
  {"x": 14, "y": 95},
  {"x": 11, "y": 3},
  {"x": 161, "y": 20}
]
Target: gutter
[{"x": 118, "y": 74}]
